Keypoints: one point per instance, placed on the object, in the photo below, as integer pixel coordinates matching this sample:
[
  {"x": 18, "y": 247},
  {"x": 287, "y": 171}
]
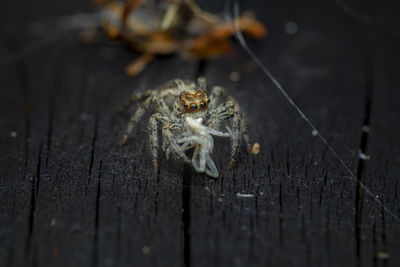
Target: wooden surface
[{"x": 71, "y": 196}]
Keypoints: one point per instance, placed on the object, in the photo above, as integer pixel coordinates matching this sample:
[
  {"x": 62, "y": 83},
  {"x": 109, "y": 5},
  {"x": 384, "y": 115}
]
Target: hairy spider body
[{"x": 181, "y": 107}]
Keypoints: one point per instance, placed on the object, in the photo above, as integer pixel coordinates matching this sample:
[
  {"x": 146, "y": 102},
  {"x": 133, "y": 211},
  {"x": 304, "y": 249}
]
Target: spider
[
  {"x": 181, "y": 107},
  {"x": 165, "y": 27}
]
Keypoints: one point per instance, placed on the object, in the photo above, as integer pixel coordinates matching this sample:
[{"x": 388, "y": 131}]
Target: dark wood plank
[
  {"x": 70, "y": 195},
  {"x": 381, "y": 173},
  {"x": 303, "y": 198}
]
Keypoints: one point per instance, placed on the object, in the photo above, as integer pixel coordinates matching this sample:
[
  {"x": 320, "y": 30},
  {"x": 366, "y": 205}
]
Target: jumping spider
[{"x": 181, "y": 108}]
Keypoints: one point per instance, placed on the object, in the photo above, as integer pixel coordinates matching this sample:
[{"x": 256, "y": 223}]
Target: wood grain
[{"x": 71, "y": 196}]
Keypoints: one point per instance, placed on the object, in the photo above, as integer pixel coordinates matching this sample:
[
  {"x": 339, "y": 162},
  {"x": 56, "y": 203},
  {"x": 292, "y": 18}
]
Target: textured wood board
[{"x": 70, "y": 195}]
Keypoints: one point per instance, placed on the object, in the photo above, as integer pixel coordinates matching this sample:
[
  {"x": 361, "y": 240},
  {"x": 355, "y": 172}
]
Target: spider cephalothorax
[
  {"x": 189, "y": 119},
  {"x": 194, "y": 102}
]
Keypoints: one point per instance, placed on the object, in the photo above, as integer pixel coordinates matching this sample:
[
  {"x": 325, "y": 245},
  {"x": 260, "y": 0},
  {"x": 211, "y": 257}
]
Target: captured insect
[
  {"x": 189, "y": 118},
  {"x": 166, "y": 27}
]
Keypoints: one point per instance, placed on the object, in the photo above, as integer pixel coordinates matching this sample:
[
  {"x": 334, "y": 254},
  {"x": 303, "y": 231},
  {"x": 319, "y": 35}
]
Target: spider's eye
[
  {"x": 186, "y": 105},
  {"x": 208, "y": 100},
  {"x": 193, "y": 107},
  {"x": 202, "y": 105}
]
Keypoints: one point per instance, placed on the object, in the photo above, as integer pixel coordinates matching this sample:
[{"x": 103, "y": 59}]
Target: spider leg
[
  {"x": 201, "y": 83},
  {"x": 243, "y": 131},
  {"x": 135, "y": 118},
  {"x": 213, "y": 121},
  {"x": 154, "y": 136},
  {"x": 161, "y": 105},
  {"x": 217, "y": 92},
  {"x": 236, "y": 136},
  {"x": 222, "y": 113},
  {"x": 243, "y": 123},
  {"x": 174, "y": 87},
  {"x": 244, "y": 128},
  {"x": 225, "y": 111},
  {"x": 162, "y": 116},
  {"x": 229, "y": 110},
  {"x": 134, "y": 98}
]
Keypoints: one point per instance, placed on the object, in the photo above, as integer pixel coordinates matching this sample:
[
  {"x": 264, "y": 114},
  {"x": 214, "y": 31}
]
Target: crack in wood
[
  {"x": 50, "y": 96},
  {"x": 29, "y": 257},
  {"x": 374, "y": 243},
  {"x": 27, "y": 104},
  {"x": 369, "y": 80},
  {"x": 157, "y": 195},
  {"x": 186, "y": 194},
  {"x": 281, "y": 238},
  {"x": 118, "y": 247},
  {"x": 96, "y": 220},
  {"x": 38, "y": 168},
  {"x": 383, "y": 237},
  {"x": 93, "y": 144}
]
